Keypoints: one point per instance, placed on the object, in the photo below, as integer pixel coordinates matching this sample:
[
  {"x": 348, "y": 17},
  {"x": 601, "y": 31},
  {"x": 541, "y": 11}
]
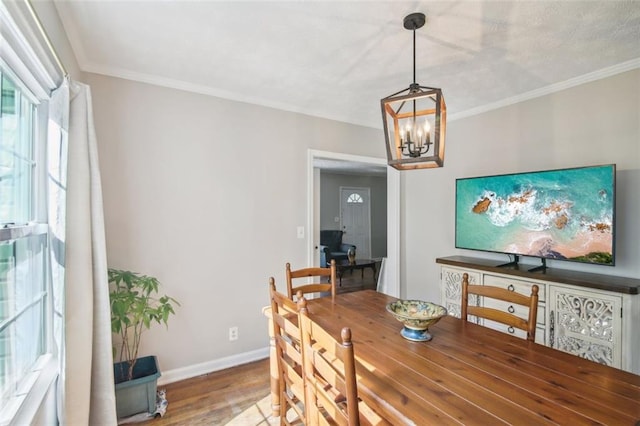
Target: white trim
[
  {"x": 315, "y": 229},
  {"x": 25, "y": 407},
  {"x": 12, "y": 66},
  {"x": 201, "y": 89},
  {"x": 21, "y": 56},
  {"x": 543, "y": 91},
  {"x": 392, "y": 262},
  {"x": 195, "y": 370},
  {"x": 226, "y": 94},
  {"x": 313, "y": 189}
]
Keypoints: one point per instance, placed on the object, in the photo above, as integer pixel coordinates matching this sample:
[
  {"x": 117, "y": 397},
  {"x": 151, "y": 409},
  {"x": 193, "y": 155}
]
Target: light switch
[{"x": 300, "y": 231}]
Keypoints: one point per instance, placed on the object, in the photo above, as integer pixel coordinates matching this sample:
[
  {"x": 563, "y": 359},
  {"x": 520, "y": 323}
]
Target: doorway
[{"x": 390, "y": 273}]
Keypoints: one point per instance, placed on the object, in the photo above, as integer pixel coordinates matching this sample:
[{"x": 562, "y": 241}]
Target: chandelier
[{"x": 414, "y": 119}]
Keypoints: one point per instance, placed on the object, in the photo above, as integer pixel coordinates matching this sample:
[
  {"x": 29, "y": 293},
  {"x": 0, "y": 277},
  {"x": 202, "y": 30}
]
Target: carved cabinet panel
[
  {"x": 585, "y": 323},
  {"x": 452, "y": 289}
]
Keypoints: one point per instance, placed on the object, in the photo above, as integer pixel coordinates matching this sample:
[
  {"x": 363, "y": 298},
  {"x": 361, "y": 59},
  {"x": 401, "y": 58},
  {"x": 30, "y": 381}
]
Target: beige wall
[
  {"x": 206, "y": 194},
  {"x": 595, "y": 123}
]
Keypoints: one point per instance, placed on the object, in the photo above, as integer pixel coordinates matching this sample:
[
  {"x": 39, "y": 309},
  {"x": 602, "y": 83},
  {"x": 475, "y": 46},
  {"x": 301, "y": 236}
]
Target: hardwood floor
[
  {"x": 216, "y": 398},
  {"x": 359, "y": 280},
  {"x": 237, "y": 396}
]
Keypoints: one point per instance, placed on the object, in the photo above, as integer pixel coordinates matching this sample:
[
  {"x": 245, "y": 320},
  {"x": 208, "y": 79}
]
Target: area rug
[{"x": 258, "y": 414}]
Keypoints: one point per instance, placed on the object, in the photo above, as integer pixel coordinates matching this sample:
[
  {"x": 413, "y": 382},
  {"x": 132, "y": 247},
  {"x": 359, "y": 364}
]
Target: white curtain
[{"x": 86, "y": 386}]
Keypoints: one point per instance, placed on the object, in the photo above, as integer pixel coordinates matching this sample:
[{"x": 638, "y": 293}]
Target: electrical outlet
[{"x": 233, "y": 333}]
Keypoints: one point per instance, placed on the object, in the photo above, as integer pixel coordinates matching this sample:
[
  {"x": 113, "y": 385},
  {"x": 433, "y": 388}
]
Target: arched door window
[{"x": 355, "y": 198}]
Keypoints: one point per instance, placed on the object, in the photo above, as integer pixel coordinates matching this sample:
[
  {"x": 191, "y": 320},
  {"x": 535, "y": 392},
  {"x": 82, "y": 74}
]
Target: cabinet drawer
[
  {"x": 517, "y": 310},
  {"x": 515, "y": 331},
  {"x": 523, "y": 287}
]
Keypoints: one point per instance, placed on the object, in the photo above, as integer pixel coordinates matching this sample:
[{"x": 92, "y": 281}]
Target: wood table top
[{"x": 469, "y": 374}]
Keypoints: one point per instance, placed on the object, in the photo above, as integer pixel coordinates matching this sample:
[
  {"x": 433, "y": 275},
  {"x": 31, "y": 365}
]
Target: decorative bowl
[{"x": 417, "y": 316}]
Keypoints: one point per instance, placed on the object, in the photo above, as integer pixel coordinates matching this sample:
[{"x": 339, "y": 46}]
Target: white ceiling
[{"x": 337, "y": 59}]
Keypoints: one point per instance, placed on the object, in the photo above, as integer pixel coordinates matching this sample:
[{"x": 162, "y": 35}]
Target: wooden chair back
[
  {"x": 287, "y": 341},
  {"x": 316, "y": 287},
  {"x": 498, "y": 293},
  {"x": 330, "y": 374}
]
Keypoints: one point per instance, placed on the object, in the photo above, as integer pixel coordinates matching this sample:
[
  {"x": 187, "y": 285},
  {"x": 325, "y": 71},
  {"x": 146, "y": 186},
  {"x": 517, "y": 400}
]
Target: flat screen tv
[{"x": 566, "y": 214}]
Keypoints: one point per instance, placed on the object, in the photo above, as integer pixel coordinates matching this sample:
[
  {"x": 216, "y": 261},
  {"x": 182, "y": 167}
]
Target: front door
[{"x": 355, "y": 219}]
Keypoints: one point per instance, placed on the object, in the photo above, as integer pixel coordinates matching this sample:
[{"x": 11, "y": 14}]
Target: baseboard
[{"x": 183, "y": 373}]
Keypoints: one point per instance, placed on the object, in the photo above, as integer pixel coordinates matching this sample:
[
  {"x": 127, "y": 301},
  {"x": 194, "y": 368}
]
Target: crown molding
[
  {"x": 224, "y": 94},
  {"x": 547, "y": 90}
]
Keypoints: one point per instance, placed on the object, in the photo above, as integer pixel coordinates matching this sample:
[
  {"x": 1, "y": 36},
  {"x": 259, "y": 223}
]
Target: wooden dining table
[{"x": 469, "y": 374}]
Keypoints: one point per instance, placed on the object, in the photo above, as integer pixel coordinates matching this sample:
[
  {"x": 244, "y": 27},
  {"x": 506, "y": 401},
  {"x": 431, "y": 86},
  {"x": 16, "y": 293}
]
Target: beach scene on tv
[{"x": 559, "y": 214}]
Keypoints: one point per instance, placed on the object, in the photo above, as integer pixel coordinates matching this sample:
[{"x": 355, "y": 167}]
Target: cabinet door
[
  {"x": 452, "y": 288},
  {"x": 586, "y": 323}
]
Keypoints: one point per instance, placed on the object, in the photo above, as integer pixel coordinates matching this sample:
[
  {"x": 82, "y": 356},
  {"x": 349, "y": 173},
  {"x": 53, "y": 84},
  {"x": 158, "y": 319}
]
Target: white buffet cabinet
[{"x": 594, "y": 316}]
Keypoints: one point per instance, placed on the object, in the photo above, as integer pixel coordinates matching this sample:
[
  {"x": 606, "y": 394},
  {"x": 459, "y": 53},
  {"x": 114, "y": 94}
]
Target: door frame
[{"x": 392, "y": 262}]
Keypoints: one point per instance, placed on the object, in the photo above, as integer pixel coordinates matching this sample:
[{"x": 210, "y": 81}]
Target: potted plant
[{"x": 135, "y": 306}]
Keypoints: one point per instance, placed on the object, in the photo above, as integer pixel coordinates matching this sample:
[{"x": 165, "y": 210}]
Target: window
[
  {"x": 16, "y": 154},
  {"x": 355, "y": 199},
  {"x": 29, "y": 343},
  {"x": 23, "y": 246}
]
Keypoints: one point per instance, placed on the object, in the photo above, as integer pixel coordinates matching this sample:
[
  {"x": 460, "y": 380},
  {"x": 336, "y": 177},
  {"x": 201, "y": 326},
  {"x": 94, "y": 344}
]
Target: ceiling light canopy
[{"x": 414, "y": 119}]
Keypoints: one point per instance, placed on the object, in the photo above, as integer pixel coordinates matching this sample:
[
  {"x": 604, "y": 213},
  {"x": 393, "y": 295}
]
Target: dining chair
[
  {"x": 286, "y": 334},
  {"x": 317, "y": 286},
  {"x": 330, "y": 377},
  {"x": 505, "y": 317}
]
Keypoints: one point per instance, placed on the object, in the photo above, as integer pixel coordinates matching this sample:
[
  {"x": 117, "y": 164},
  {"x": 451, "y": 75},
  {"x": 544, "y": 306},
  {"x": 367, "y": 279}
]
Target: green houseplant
[{"x": 135, "y": 307}]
